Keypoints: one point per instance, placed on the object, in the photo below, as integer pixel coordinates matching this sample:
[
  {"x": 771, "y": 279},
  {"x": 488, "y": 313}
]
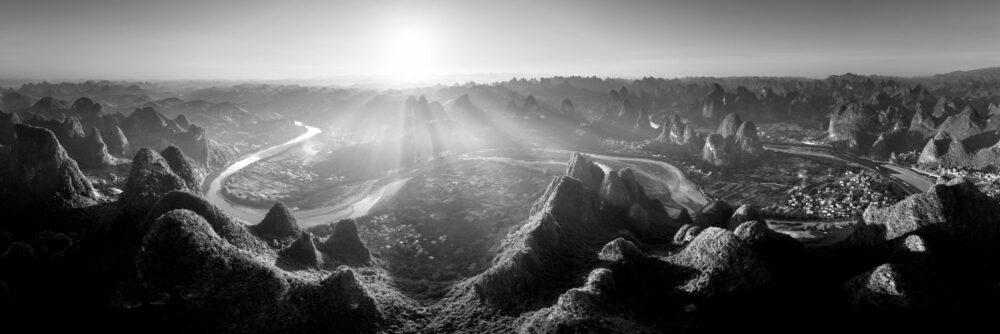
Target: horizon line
[{"x": 389, "y": 79}]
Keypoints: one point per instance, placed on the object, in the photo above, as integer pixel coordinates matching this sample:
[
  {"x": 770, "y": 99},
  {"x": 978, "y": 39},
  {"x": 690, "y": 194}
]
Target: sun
[{"x": 410, "y": 51}]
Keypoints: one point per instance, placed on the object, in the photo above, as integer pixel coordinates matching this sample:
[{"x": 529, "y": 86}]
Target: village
[{"x": 845, "y": 196}]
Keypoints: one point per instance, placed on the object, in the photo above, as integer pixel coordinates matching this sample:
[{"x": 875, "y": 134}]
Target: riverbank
[
  {"x": 662, "y": 178},
  {"x": 213, "y": 184},
  {"x": 912, "y": 181},
  {"x": 280, "y": 178}
]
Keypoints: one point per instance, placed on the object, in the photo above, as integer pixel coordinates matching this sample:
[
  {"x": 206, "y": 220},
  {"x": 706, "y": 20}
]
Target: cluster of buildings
[
  {"x": 796, "y": 135},
  {"x": 987, "y": 182},
  {"x": 845, "y": 197}
]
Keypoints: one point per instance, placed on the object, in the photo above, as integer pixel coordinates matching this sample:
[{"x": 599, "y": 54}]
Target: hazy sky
[{"x": 256, "y": 39}]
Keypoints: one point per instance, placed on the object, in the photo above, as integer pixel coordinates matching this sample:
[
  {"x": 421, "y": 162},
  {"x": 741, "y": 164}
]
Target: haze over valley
[{"x": 517, "y": 166}]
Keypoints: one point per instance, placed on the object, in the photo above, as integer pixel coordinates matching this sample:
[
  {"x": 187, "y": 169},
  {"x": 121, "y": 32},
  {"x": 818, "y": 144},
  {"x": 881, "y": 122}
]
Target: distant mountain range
[
  {"x": 983, "y": 74},
  {"x": 389, "y": 82}
]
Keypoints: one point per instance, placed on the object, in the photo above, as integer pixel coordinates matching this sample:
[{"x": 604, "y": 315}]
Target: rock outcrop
[
  {"x": 787, "y": 257},
  {"x": 569, "y": 219},
  {"x": 643, "y": 128},
  {"x": 117, "y": 143},
  {"x": 88, "y": 149},
  {"x": 614, "y": 192},
  {"x": 913, "y": 250},
  {"x": 41, "y": 173},
  {"x": 734, "y": 142},
  {"x": 746, "y": 141},
  {"x": 686, "y": 233},
  {"x": 279, "y": 223},
  {"x": 715, "y": 214},
  {"x": 146, "y": 127},
  {"x": 726, "y": 268},
  {"x": 304, "y": 250},
  {"x": 206, "y": 279},
  {"x": 48, "y": 106},
  {"x": 85, "y": 107},
  {"x": 150, "y": 178},
  {"x": 531, "y": 108},
  {"x": 678, "y": 130},
  {"x": 346, "y": 246},
  {"x": 464, "y": 111},
  {"x": 16, "y": 101},
  {"x": 956, "y": 209},
  {"x": 714, "y": 107},
  {"x": 535, "y": 257},
  {"x": 693, "y": 142},
  {"x": 939, "y": 150},
  {"x": 586, "y": 308},
  {"x": 852, "y": 126},
  {"x": 568, "y": 115},
  {"x": 981, "y": 151},
  {"x": 965, "y": 124},
  {"x": 232, "y": 230},
  {"x": 922, "y": 124},
  {"x": 182, "y": 122},
  {"x": 93, "y": 152},
  {"x": 7, "y": 122},
  {"x": 742, "y": 214},
  {"x": 729, "y": 125},
  {"x": 586, "y": 171},
  {"x": 889, "y": 288},
  {"x": 718, "y": 151},
  {"x": 621, "y": 195},
  {"x": 183, "y": 166}
]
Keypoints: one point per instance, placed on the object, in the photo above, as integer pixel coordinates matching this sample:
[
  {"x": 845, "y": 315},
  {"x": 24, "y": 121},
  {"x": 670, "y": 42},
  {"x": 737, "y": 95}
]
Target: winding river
[
  {"x": 213, "y": 191},
  {"x": 682, "y": 190},
  {"x": 910, "y": 180},
  {"x": 358, "y": 206}
]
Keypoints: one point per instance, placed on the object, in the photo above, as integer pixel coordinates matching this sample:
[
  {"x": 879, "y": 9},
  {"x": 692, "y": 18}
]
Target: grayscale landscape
[{"x": 590, "y": 166}]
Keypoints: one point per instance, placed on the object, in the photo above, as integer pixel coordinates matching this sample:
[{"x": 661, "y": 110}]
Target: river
[
  {"x": 356, "y": 207},
  {"x": 682, "y": 190},
  {"x": 213, "y": 193},
  {"x": 908, "y": 179}
]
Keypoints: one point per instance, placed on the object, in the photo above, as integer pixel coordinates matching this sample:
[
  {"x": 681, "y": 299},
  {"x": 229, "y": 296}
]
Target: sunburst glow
[{"x": 410, "y": 51}]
